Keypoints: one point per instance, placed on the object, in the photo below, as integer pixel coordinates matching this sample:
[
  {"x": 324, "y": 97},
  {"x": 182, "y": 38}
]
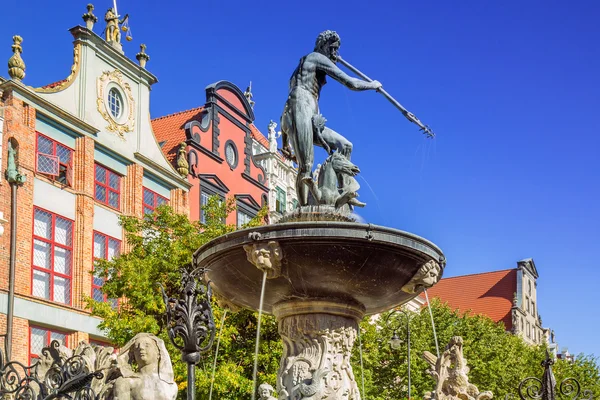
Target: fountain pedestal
[
  {"x": 322, "y": 278},
  {"x": 318, "y": 336}
]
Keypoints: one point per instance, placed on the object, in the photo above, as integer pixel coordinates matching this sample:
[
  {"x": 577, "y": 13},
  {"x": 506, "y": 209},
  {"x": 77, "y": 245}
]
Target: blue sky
[{"x": 510, "y": 88}]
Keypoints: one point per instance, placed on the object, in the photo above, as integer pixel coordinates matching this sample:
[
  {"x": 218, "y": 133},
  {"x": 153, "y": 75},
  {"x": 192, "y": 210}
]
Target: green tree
[
  {"x": 159, "y": 246},
  {"x": 497, "y": 359}
]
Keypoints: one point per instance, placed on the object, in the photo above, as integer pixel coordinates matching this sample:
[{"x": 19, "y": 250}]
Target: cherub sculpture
[{"x": 265, "y": 392}]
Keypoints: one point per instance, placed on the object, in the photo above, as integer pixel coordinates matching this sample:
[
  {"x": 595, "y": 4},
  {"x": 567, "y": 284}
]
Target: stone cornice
[
  {"x": 48, "y": 108},
  {"x": 172, "y": 177}
]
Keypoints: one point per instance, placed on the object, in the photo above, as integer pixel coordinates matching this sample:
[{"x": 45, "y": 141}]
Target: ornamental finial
[
  {"x": 89, "y": 17},
  {"x": 16, "y": 66},
  {"x": 142, "y": 57}
]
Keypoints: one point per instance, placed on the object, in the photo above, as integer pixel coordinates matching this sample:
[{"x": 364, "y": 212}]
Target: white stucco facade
[{"x": 281, "y": 175}]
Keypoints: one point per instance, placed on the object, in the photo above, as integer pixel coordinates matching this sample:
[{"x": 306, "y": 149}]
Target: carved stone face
[
  {"x": 265, "y": 393},
  {"x": 145, "y": 352},
  {"x": 332, "y": 50},
  {"x": 431, "y": 277}
]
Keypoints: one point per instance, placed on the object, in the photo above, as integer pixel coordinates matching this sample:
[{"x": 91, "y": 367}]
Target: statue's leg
[
  {"x": 337, "y": 142},
  {"x": 303, "y": 147}
]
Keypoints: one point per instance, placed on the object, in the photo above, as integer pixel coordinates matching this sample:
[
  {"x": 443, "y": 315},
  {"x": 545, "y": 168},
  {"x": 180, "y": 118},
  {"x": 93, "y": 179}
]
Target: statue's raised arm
[{"x": 327, "y": 66}]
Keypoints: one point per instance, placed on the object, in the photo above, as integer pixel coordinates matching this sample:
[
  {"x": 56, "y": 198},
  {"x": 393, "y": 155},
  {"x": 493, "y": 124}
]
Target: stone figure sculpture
[
  {"x": 113, "y": 33},
  {"x": 450, "y": 372},
  {"x": 302, "y": 125},
  {"x": 153, "y": 377},
  {"x": 265, "y": 392}
]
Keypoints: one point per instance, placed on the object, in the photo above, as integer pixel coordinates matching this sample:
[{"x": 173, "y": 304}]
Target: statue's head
[
  {"x": 146, "y": 349},
  {"x": 265, "y": 390},
  {"x": 146, "y": 352},
  {"x": 328, "y": 43}
]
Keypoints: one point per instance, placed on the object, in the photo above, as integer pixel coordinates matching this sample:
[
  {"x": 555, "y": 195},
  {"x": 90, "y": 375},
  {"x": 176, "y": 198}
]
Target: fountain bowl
[{"x": 360, "y": 268}]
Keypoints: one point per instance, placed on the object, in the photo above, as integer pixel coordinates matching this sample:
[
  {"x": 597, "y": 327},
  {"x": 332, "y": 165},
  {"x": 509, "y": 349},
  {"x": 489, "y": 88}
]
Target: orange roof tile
[
  {"x": 171, "y": 130},
  {"x": 54, "y": 84},
  {"x": 488, "y": 293},
  {"x": 258, "y": 136}
]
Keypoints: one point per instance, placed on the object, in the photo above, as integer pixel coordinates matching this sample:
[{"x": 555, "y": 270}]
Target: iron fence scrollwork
[
  {"x": 532, "y": 388},
  {"x": 52, "y": 376}
]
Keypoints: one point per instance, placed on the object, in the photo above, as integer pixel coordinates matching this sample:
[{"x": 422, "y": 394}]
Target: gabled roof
[
  {"x": 529, "y": 264},
  {"x": 488, "y": 293},
  {"x": 170, "y": 129}
]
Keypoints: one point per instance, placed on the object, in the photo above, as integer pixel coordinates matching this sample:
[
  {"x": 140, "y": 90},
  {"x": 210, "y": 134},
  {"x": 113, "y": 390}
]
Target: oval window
[
  {"x": 231, "y": 154},
  {"x": 115, "y": 103}
]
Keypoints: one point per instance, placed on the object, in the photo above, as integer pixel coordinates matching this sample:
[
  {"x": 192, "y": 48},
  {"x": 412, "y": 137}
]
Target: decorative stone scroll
[
  {"x": 427, "y": 276},
  {"x": 316, "y": 354},
  {"x": 266, "y": 256}
]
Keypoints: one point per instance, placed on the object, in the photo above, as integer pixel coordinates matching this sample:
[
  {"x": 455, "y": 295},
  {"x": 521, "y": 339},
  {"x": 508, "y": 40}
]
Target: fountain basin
[{"x": 362, "y": 266}]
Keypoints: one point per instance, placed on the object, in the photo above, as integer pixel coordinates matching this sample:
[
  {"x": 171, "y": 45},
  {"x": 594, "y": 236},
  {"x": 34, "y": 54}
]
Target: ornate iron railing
[
  {"x": 533, "y": 388},
  {"x": 52, "y": 376},
  {"x": 190, "y": 322}
]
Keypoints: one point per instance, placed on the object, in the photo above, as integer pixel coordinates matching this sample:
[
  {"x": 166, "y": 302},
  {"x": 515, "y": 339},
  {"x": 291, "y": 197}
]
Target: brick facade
[{"x": 20, "y": 124}]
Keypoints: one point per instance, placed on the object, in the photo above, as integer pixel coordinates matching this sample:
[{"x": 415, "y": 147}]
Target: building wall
[
  {"x": 224, "y": 121},
  {"x": 526, "y": 318},
  {"x": 67, "y": 115},
  {"x": 281, "y": 175}
]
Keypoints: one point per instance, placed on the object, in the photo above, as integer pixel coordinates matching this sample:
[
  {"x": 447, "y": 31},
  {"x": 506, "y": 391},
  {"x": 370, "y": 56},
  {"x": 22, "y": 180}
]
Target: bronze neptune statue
[{"x": 302, "y": 125}]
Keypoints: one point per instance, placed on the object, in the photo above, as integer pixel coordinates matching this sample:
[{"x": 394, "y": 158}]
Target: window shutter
[
  {"x": 70, "y": 174},
  {"x": 47, "y": 164}
]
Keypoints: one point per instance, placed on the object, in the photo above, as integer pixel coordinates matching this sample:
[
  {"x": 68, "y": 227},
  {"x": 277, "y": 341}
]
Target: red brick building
[
  {"x": 220, "y": 141},
  {"x": 88, "y": 154}
]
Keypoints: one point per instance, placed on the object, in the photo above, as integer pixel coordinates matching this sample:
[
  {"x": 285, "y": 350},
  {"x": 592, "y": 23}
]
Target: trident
[{"x": 410, "y": 116}]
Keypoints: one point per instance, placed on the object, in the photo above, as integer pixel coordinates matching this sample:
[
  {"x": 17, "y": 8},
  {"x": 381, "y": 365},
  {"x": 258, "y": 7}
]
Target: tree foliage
[
  {"x": 498, "y": 360},
  {"x": 157, "y": 248},
  {"x": 162, "y": 243}
]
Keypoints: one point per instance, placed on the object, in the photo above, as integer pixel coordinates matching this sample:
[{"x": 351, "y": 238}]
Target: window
[
  {"x": 108, "y": 187},
  {"x": 231, "y": 154},
  {"x": 280, "y": 200},
  {"x": 54, "y": 160},
  {"x": 40, "y": 338},
  {"x": 115, "y": 103},
  {"x": 152, "y": 200},
  {"x": 105, "y": 248},
  {"x": 204, "y": 196},
  {"x": 295, "y": 204},
  {"x": 52, "y": 256},
  {"x": 533, "y": 308},
  {"x": 528, "y": 307},
  {"x": 243, "y": 218},
  {"x": 529, "y": 287}
]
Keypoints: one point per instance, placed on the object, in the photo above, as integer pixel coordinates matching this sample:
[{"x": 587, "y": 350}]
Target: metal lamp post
[
  {"x": 395, "y": 340},
  {"x": 190, "y": 323}
]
